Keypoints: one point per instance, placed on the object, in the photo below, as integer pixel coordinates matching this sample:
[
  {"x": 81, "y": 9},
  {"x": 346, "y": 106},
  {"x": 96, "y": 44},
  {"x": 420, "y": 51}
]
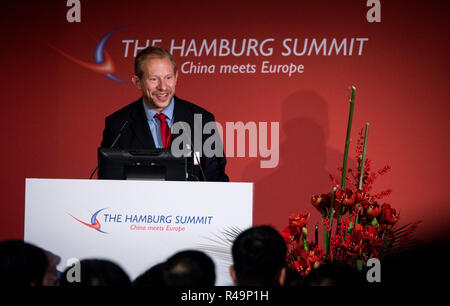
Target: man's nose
[{"x": 162, "y": 85}]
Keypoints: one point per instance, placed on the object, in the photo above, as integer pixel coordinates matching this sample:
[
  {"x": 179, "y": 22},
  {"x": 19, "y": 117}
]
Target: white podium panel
[{"x": 136, "y": 224}]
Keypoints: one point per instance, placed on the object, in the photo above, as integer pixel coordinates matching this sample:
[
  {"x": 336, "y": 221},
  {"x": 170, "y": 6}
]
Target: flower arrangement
[{"x": 364, "y": 225}]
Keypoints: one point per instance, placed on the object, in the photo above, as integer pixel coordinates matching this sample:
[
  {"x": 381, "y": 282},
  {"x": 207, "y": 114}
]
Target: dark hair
[
  {"x": 21, "y": 263},
  {"x": 190, "y": 268},
  {"x": 259, "y": 254},
  {"x": 152, "y": 52},
  {"x": 153, "y": 277},
  {"x": 97, "y": 272}
]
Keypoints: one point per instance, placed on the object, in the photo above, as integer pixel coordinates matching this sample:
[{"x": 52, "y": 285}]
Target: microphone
[
  {"x": 118, "y": 135},
  {"x": 190, "y": 170},
  {"x": 112, "y": 145},
  {"x": 200, "y": 166},
  {"x": 195, "y": 159}
]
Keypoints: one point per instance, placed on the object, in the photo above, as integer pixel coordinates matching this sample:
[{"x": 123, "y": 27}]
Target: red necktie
[{"x": 165, "y": 130}]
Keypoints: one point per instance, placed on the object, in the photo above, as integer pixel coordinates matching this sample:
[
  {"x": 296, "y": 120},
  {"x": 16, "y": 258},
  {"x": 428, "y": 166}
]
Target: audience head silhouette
[
  {"x": 21, "y": 264},
  {"x": 189, "y": 268},
  {"x": 259, "y": 255},
  {"x": 153, "y": 277},
  {"x": 97, "y": 272}
]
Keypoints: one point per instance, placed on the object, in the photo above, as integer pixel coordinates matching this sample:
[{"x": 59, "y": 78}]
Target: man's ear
[
  {"x": 282, "y": 277},
  {"x": 136, "y": 82},
  {"x": 233, "y": 274}
]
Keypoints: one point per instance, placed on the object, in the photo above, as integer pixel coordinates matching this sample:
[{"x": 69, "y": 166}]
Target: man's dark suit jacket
[{"x": 137, "y": 135}]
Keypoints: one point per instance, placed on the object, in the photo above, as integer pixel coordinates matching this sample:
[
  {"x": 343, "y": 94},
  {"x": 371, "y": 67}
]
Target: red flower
[
  {"x": 370, "y": 233},
  {"x": 302, "y": 266},
  {"x": 346, "y": 197},
  {"x": 363, "y": 242},
  {"x": 388, "y": 215},
  {"x": 299, "y": 220},
  {"x": 362, "y": 198},
  {"x": 321, "y": 202},
  {"x": 358, "y": 227},
  {"x": 315, "y": 255},
  {"x": 353, "y": 242},
  {"x": 294, "y": 230},
  {"x": 286, "y": 235},
  {"x": 373, "y": 210},
  {"x": 303, "y": 261}
]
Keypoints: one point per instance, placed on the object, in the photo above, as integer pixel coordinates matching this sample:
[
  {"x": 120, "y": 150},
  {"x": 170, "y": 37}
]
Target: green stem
[
  {"x": 326, "y": 242},
  {"x": 357, "y": 216},
  {"x": 347, "y": 139},
  {"x": 305, "y": 244},
  {"x": 361, "y": 175},
  {"x": 333, "y": 198}
]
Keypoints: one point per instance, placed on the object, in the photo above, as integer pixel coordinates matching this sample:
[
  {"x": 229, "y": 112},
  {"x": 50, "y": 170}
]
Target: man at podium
[{"x": 147, "y": 123}]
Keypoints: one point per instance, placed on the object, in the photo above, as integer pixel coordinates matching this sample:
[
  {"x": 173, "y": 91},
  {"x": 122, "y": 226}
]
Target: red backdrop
[{"x": 53, "y": 109}]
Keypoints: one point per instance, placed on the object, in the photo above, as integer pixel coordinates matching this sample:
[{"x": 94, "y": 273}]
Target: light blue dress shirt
[{"x": 155, "y": 124}]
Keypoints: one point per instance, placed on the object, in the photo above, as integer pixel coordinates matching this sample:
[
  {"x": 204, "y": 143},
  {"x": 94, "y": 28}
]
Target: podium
[{"x": 136, "y": 224}]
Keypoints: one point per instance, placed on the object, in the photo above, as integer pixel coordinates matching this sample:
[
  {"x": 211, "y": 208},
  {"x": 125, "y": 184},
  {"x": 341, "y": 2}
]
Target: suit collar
[
  {"x": 140, "y": 126},
  {"x": 181, "y": 111}
]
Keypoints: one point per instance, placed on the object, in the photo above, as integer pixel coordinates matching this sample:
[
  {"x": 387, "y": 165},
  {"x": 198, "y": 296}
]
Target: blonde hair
[{"x": 155, "y": 52}]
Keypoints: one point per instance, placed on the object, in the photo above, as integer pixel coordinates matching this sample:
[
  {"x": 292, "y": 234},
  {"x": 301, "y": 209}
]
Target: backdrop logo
[
  {"x": 103, "y": 62},
  {"x": 94, "y": 222}
]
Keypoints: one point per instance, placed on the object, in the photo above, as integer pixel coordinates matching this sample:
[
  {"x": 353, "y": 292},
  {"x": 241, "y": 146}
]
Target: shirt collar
[{"x": 168, "y": 111}]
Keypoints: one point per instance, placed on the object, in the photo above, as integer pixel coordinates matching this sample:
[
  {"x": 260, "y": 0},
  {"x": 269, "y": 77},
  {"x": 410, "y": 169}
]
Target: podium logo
[
  {"x": 94, "y": 222},
  {"x": 103, "y": 62}
]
